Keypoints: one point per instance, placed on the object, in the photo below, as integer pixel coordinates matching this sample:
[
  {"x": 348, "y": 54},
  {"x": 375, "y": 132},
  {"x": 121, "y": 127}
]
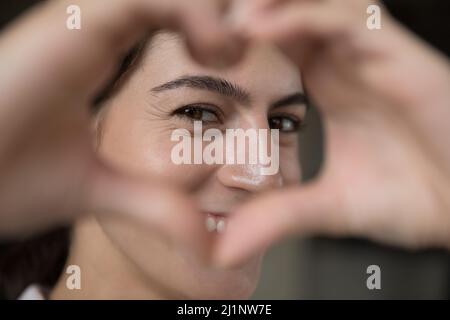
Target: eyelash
[
  {"x": 183, "y": 113},
  {"x": 298, "y": 124}
]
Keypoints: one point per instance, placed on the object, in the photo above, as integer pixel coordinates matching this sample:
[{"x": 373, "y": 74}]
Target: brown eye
[
  {"x": 197, "y": 113},
  {"x": 285, "y": 124}
]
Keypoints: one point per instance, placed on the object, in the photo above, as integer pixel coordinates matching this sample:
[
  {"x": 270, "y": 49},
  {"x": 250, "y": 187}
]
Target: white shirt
[{"x": 32, "y": 292}]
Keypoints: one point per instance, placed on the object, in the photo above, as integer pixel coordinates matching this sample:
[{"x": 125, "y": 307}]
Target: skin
[
  {"x": 135, "y": 128},
  {"x": 386, "y": 175}
]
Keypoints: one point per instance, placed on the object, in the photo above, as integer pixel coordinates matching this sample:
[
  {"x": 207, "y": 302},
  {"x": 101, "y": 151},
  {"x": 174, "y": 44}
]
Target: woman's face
[{"x": 168, "y": 91}]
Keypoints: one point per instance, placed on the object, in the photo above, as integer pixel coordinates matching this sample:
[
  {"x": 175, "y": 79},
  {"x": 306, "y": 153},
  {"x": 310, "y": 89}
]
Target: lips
[{"x": 215, "y": 222}]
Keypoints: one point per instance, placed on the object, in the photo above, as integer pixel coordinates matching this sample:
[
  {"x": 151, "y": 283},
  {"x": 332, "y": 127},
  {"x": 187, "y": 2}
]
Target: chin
[
  {"x": 235, "y": 284},
  {"x": 226, "y": 291}
]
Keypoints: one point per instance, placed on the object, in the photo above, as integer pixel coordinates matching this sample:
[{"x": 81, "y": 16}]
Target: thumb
[
  {"x": 160, "y": 207},
  {"x": 257, "y": 225}
]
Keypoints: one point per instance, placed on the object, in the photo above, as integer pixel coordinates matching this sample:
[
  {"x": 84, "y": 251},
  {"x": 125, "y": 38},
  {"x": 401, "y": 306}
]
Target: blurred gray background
[{"x": 325, "y": 268}]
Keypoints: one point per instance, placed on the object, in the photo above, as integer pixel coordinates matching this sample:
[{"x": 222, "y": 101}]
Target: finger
[
  {"x": 159, "y": 207},
  {"x": 254, "y": 227},
  {"x": 72, "y": 63},
  {"x": 77, "y": 63},
  {"x": 209, "y": 38},
  {"x": 242, "y": 10},
  {"x": 294, "y": 22}
]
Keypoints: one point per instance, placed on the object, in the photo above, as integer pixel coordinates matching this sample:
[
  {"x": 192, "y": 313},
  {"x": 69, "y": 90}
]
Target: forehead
[{"x": 264, "y": 70}]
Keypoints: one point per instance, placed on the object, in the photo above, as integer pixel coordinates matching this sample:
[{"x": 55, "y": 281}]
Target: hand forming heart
[{"x": 383, "y": 96}]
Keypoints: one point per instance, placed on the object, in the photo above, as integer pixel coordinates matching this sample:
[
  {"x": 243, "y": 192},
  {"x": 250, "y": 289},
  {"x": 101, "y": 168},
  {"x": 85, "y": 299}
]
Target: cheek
[{"x": 144, "y": 147}]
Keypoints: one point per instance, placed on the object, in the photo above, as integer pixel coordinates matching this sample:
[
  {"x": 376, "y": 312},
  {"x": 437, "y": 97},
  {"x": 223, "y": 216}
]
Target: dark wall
[{"x": 428, "y": 18}]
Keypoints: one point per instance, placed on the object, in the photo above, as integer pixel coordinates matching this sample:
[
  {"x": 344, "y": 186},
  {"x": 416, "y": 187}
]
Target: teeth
[
  {"x": 220, "y": 226},
  {"x": 210, "y": 224},
  {"x": 215, "y": 224}
]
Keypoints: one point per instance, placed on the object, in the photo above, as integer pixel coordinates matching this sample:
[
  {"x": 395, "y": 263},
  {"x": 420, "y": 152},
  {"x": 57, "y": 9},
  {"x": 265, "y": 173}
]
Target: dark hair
[
  {"x": 41, "y": 259},
  {"x": 126, "y": 68}
]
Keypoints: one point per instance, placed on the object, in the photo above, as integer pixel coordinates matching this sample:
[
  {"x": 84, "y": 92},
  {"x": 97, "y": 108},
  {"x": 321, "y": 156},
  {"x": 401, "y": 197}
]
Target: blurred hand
[
  {"x": 50, "y": 173},
  {"x": 385, "y": 101}
]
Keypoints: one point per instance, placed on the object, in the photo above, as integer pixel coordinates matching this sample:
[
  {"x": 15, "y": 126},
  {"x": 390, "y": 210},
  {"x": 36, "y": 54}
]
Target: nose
[
  {"x": 248, "y": 178},
  {"x": 248, "y": 175}
]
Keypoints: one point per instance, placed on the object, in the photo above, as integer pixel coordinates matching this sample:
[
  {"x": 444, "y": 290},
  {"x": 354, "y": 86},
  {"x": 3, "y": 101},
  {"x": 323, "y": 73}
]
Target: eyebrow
[
  {"x": 214, "y": 84},
  {"x": 297, "y": 98},
  {"x": 227, "y": 88}
]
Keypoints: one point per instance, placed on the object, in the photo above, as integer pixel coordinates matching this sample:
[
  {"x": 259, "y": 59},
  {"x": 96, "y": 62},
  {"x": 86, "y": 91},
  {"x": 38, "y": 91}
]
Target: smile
[{"x": 215, "y": 222}]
